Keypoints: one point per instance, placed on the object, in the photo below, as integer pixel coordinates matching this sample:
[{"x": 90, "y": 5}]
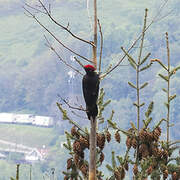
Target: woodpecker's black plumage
[{"x": 90, "y": 85}]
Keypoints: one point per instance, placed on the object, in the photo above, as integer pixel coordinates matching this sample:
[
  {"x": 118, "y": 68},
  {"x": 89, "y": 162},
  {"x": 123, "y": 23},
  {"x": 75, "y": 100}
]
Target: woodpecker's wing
[
  {"x": 97, "y": 87},
  {"x": 90, "y": 89}
]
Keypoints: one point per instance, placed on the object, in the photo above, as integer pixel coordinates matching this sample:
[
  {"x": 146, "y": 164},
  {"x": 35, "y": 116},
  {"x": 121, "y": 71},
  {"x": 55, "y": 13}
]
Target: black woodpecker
[{"x": 90, "y": 85}]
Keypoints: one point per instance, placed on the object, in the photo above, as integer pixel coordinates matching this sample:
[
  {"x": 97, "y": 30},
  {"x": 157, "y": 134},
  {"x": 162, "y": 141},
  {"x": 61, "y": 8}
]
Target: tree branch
[
  {"x": 101, "y": 46},
  {"x": 139, "y": 37},
  {"x": 48, "y": 13},
  {"x": 61, "y": 59},
  {"x": 80, "y": 108},
  {"x": 36, "y": 19}
]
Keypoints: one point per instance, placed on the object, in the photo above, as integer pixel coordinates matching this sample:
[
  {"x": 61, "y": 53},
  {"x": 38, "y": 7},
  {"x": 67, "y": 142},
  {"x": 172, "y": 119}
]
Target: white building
[
  {"x": 6, "y": 117},
  {"x": 22, "y": 118},
  {"x": 36, "y": 155},
  {"x": 43, "y": 121},
  {"x": 26, "y": 119}
]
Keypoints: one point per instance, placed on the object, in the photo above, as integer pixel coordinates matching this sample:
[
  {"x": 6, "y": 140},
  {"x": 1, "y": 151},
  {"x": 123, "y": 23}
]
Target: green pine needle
[
  {"x": 132, "y": 85},
  {"x": 144, "y": 60},
  {"x": 164, "y": 77},
  {"x": 146, "y": 67},
  {"x": 172, "y": 97},
  {"x": 113, "y": 160},
  {"x": 149, "y": 110},
  {"x": 165, "y": 90},
  {"x": 144, "y": 85},
  {"x": 109, "y": 167}
]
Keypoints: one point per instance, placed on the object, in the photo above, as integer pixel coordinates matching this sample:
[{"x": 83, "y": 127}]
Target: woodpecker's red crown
[{"x": 89, "y": 66}]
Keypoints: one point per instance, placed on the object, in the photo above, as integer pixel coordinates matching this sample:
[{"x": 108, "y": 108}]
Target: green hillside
[
  {"x": 32, "y": 77},
  {"x": 27, "y": 135}
]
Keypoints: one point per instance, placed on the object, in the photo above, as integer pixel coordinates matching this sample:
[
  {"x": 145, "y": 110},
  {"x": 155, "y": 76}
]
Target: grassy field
[{"x": 27, "y": 135}]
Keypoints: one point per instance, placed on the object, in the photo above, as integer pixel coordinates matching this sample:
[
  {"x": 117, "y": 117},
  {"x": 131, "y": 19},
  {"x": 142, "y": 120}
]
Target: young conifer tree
[{"x": 152, "y": 157}]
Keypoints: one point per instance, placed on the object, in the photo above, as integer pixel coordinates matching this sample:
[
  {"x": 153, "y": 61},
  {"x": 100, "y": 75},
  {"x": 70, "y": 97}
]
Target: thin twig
[
  {"x": 162, "y": 17},
  {"x": 48, "y": 13},
  {"x": 77, "y": 125},
  {"x": 61, "y": 59},
  {"x": 80, "y": 108},
  {"x": 79, "y": 62},
  {"x": 70, "y": 120},
  {"x": 82, "y": 117},
  {"x": 137, "y": 82},
  {"x": 138, "y": 38},
  {"x": 50, "y": 9},
  {"x": 155, "y": 19},
  {"x": 37, "y": 9},
  {"x": 168, "y": 87},
  {"x": 101, "y": 46},
  {"x": 175, "y": 142},
  {"x": 36, "y": 19}
]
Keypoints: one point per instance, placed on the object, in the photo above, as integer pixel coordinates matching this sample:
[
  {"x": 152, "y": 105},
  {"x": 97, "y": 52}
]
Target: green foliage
[
  {"x": 146, "y": 67},
  {"x": 163, "y": 77},
  {"x": 132, "y": 85},
  {"x": 145, "y": 59},
  {"x": 63, "y": 111},
  {"x": 150, "y": 109},
  {"x": 30, "y": 135}
]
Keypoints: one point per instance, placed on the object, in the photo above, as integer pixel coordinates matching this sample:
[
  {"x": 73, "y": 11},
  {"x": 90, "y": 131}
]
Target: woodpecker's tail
[{"x": 92, "y": 112}]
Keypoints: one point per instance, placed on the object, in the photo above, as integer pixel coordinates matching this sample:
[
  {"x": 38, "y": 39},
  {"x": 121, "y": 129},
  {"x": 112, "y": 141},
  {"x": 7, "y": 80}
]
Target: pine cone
[
  {"x": 174, "y": 176},
  {"x": 165, "y": 174},
  {"x": 101, "y": 141},
  {"x": 117, "y": 174},
  {"x": 149, "y": 137},
  {"x": 117, "y": 136},
  {"x": 73, "y": 131},
  {"x": 149, "y": 170},
  {"x": 69, "y": 163},
  {"x": 126, "y": 166},
  {"x": 76, "y": 159},
  {"x": 101, "y": 159},
  {"x": 84, "y": 169},
  {"x": 134, "y": 143},
  {"x": 143, "y": 135},
  {"x": 159, "y": 129},
  {"x": 77, "y": 147},
  {"x": 128, "y": 142},
  {"x": 160, "y": 153},
  {"x": 135, "y": 169},
  {"x": 156, "y": 133},
  {"x": 155, "y": 151},
  {"x": 108, "y": 136},
  {"x": 143, "y": 151},
  {"x": 122, "y": 172},
  {"x": 84, "y": 142}
]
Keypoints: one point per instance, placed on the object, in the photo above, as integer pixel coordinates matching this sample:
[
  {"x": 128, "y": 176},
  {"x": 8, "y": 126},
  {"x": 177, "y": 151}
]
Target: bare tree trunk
[
  {"x": 95, "y": 35},
  {"x": 92, "y": 164}
]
